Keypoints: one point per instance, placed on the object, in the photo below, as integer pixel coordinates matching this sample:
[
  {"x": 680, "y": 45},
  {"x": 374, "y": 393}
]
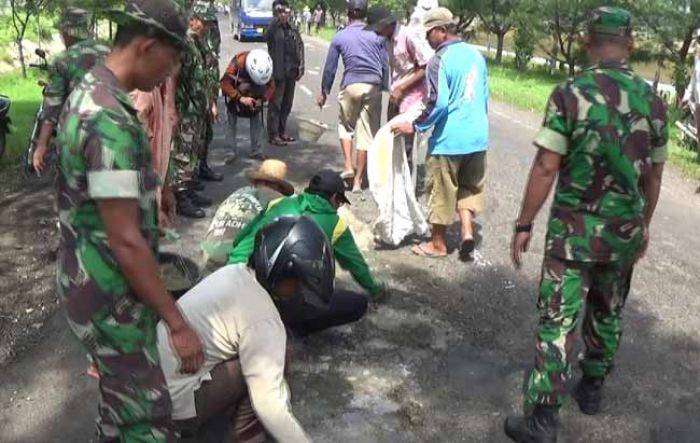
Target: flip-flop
[
  {"x": 420, "y": 251},
  {"x": 466, "y": 249},
  {"x": 288, "y": 138}
]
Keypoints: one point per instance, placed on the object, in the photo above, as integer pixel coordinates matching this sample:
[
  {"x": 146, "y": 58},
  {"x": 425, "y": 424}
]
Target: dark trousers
[
  {"x": 280, "y": 106},
  {"x": 345, "y": 307}
]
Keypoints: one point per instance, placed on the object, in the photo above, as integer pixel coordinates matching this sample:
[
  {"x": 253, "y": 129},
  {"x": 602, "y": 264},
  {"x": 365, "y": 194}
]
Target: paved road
[{"x": 444, "y": 359}]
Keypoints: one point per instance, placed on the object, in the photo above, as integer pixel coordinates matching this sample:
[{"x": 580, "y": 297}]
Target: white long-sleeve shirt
[{"x": 235, "y": 318}]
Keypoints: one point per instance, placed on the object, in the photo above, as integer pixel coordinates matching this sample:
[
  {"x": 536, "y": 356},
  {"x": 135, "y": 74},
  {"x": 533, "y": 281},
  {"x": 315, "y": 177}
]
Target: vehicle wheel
[
  {"x": 3, "y": 139},
  {"x": 235, "y": 33}
]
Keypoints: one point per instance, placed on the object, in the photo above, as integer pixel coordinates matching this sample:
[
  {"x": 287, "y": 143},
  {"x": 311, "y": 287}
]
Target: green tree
[
  {"x": 495, "y": 15},
  {"x": 672, "y": 23},
  {"x": 22, "y": 11}
]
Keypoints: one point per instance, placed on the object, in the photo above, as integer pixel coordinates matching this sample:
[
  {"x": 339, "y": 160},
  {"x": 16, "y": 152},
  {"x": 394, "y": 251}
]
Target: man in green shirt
[
  {"x": 320, "y": 201},
  {"x": 605, "y": 135}
]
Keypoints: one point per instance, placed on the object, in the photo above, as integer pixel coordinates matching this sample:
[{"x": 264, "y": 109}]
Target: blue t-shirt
[{"x": 457, "y": 101}]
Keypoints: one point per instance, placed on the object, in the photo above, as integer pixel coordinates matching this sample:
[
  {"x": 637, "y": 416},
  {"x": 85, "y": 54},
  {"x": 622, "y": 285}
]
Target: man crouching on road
[
  {"x": 605, "y": 136},
  {"x": 320, "y": 201},
  {"x": 456, "y": 107},
  {"x": 107, "y": 272},
  {"x": 236, "y": 311}
]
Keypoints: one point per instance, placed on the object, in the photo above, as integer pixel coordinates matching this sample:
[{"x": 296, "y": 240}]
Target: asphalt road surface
[{"x": 444, "y": 359}]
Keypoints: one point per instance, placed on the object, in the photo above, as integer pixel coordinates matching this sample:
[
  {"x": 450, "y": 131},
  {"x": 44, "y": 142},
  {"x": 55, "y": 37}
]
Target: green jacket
[{"x": 318, "y": 208}]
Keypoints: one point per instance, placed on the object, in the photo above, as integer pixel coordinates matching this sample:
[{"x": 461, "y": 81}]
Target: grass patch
[{"x": 26, "y": 98}]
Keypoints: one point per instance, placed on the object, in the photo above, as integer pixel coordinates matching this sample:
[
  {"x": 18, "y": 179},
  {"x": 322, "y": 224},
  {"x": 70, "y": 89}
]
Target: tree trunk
[
  {"x": 499, "y": 46},
  {"x": 572, "y": 65},
  {"x": 110, "y": 31},
  {"x": 22, "y": 63}
]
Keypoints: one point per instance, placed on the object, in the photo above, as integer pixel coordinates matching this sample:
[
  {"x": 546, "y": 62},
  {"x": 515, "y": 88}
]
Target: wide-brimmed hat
[
  {"x": 378, "y": 18},
  {"x": 438, "y": 17},
  {"x": 161, "y": 15},
  {"x": 272, "y": 171}
]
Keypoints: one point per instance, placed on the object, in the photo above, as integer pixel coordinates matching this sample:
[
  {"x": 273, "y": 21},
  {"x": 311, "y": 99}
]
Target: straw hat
[{"x": 272, "y": 171}]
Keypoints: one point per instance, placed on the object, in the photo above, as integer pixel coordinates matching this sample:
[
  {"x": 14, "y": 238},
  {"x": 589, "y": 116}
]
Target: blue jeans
[{"x": 256, "y": 130}]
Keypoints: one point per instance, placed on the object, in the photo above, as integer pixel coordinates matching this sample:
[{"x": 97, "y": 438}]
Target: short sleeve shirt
[
  {"x": 609, "y": 127},
  {"x": 409, "y": 51},
  {"x": 104, "y": 154},
  {"x": 65, "y": 73}
]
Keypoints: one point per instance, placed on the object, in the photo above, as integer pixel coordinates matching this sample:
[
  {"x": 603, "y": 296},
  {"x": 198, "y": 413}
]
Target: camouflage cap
[
  {"x": 75, "y": 22},
  {"x": 609, "y": 20},
  {"x": 205, "y": 11},
  {"x": 160, "y": 15}
]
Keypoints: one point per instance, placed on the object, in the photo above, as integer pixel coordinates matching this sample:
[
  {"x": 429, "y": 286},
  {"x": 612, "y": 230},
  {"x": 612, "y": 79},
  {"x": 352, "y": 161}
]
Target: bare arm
[
  {"x": 138, "y": 264},
  {"x": 42, "y": 145},
  {"x": 652, "y": 189},
  {"x": 409, "y": 82},
  {"x": 542, "y": 175}
]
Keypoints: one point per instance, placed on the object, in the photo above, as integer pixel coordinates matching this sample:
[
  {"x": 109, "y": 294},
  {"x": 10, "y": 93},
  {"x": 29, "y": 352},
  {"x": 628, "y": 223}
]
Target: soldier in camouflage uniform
[
  {"x": 65, "y": 72},
  {"x": 605, "y": 135},
  {"x": 107, "y": 273},
  {"x": 209, "y": 45},
  {"x": 194, "y": 108}
]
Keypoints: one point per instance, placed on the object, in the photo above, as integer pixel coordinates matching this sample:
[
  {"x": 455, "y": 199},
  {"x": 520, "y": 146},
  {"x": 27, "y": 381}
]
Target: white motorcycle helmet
[{"x": 258, "y": 64}]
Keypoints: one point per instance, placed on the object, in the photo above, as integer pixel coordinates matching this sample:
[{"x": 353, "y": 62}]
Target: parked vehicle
[
  {"x": 5, "y": 104},
  {"x": 250, "y": 18},
  {"x": 28, "y": 156}
]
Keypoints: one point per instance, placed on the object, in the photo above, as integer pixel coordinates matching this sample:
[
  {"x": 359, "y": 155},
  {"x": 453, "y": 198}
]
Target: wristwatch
[{"x": 522, "y": 228}]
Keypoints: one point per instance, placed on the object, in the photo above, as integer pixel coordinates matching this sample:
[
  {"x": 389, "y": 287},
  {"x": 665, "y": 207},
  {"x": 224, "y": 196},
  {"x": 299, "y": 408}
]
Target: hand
[
  {"x": 321, "y": 100},
  {"x": 519, "y": 245},
  {"x": 167, "y": 206},
  {"x": 396, "y": 95},
  {"x": 38, "y": 158},
  {"x": 214, "y": 112},
  {"x": 188, "y": 348},
  {"x": 402, "y": 128},
  {"x": 383, "y": 295},
  {"x": 247, "y": 102},
  {"x": 645, "y": 244}
]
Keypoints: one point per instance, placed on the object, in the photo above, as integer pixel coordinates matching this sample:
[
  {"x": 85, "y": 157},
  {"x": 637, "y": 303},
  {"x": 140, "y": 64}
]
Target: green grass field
[{"x": 26, "y": 98}]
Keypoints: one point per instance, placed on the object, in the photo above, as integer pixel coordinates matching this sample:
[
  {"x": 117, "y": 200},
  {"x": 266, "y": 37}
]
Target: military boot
[
  {"x": 589, "y": 395},
  {"x": 185, "y": 207},
  {"x": 539, "y": 427},
  {"x": 199, "y": 200},
  {"x": 206, "y": 173}
]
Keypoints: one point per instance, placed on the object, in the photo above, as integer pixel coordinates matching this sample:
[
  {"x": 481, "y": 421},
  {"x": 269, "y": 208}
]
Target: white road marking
[
  {"x": 306, "y": 90},
  {"x": 514, "y": 120}
]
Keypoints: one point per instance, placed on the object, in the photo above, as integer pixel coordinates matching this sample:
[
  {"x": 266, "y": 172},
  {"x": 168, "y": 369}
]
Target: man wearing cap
[
  {"x": 604, "y": 135},
  {"x": 366, "y": 73},
  {"x": 65, "y": 73},
  {"x": 320, "y": 201},
  {"x": 267, "y": 184},
  {"x": 107, "y": 272},
  {"x": 286, "y": 49},
  {"x": 456, "y": 108}
]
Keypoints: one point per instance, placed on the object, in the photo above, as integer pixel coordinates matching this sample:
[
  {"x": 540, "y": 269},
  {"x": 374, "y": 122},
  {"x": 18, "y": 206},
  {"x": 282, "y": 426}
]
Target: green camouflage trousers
[
  {"x": 563, "y": 289},
  {"x": 119, "y": 334},
  {"x": 188, "y": 143}
]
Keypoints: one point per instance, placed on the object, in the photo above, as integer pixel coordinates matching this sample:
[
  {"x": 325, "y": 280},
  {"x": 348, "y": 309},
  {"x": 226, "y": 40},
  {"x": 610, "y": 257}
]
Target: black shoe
[
  {"x": 539, "y": 427},
  {"x": 206, "y": 173},
  {"x": 196, "y": 185},
  {"x": 589, "y": 395},
  {"x": 186, "y": 208},
  {"x": 199, "y": 200}
]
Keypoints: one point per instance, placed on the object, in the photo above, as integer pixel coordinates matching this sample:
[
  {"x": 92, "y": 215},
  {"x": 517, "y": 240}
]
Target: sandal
[
  {"x": 277, "y": 141},
  {"x": 420, "y": 251},
  {"x": 288, "y": 138}
]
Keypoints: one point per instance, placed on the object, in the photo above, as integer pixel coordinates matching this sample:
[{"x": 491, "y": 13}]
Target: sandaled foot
[
  {"x": 427, "y": 250},
  {"x": 466, "y": 249},
  {"x": 277, "y": 141},
  {"x": 288, "y": 138}
]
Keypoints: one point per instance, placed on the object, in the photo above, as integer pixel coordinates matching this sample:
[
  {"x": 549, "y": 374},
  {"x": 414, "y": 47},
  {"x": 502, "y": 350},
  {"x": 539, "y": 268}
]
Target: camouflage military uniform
[
  {"x": 104, "y": 154},
  {"x": 609, "y": 128},
  {"x": 66, "y": 72},
  {"x": 192, "y": 103}
]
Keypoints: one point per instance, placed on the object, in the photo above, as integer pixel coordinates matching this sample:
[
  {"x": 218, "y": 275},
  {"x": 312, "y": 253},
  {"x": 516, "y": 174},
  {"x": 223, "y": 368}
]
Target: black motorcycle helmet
[{"x": 295, "y": 247}]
